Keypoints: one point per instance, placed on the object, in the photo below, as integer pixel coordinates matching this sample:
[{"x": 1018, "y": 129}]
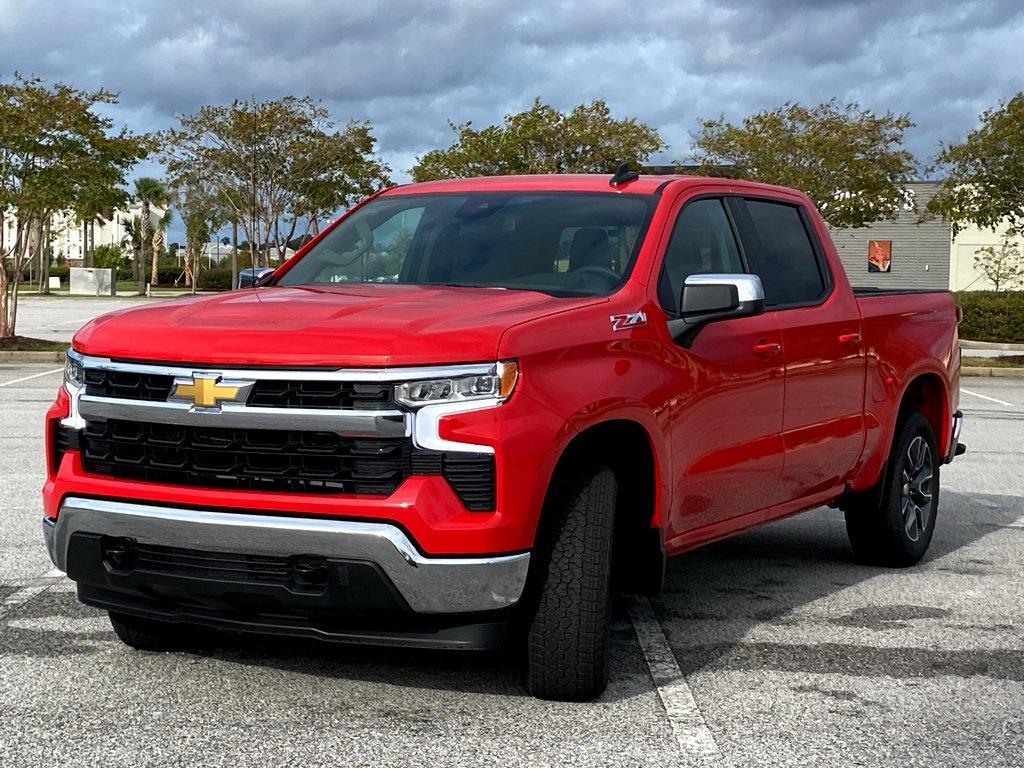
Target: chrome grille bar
[{"x": 360, "y": 424}]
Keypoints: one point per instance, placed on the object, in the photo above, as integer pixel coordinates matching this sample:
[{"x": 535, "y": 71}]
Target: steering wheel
[{"x": 596, "y": 269}]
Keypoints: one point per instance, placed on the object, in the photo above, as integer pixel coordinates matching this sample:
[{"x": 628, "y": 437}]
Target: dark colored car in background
[{"x": 251, "y": 275}]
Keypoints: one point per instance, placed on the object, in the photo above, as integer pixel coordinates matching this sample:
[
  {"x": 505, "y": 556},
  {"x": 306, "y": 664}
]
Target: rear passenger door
[{"x": 822, "y": 351}]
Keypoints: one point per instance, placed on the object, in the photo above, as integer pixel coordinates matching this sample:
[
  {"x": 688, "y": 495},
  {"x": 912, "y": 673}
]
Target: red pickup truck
[{"x": 471, "y": 410}]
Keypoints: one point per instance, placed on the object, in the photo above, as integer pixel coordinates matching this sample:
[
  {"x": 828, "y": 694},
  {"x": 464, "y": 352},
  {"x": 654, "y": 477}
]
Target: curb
[
  {"x": 991, "y": 345},
  {"x": 20, "y": 356},
  {"x": 996, "y": 371}
]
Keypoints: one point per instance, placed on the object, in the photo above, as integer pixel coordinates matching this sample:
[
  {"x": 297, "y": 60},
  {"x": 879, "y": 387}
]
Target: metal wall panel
[{"x": 920, "y": 250}]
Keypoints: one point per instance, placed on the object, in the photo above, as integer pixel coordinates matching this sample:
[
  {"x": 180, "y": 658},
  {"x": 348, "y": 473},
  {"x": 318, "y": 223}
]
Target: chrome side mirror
[{"x": 707, "y": 298}]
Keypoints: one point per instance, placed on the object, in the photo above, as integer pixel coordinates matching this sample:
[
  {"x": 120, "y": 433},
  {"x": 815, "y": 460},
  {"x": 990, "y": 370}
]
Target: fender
[
  {"x": 874, "y": 457},
  {"x": 610, "y": 410}
]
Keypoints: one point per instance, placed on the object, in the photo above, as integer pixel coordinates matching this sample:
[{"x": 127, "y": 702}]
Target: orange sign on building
[{"x": 879, "y": 255}]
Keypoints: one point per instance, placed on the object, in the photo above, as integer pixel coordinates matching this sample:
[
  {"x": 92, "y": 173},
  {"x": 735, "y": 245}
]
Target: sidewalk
[{"x": 990, "y": 349}]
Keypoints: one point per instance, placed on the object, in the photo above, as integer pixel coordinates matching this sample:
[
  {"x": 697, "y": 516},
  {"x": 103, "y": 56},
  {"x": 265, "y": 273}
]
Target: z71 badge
[{"x": 629, "y": 320}]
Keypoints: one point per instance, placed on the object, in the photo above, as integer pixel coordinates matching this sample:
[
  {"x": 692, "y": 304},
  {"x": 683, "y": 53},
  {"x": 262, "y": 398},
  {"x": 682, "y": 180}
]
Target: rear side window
[
  {"x": 789, "y": 268},
  {"x": 702, "y": 241}
]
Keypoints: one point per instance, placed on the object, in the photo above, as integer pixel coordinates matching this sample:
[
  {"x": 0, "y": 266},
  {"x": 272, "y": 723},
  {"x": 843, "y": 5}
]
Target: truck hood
[{"x": 345, "y": 326}]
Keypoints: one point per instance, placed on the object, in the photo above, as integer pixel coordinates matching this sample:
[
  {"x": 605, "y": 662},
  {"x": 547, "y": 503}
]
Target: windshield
[{"x": 572, "y": 244}]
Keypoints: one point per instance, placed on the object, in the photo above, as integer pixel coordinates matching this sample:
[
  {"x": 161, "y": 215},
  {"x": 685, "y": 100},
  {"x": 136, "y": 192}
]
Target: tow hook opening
[
  {"x": 119, "y": 553},
  {"x": 309, "y": 572}
]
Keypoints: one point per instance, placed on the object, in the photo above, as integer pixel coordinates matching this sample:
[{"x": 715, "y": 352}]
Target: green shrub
[
  {"x": 106, "y": 256},
  {"x": 992, "y": 316},
  {"x": 167, "y": 274},
  {"x": 218, "y": 278}
]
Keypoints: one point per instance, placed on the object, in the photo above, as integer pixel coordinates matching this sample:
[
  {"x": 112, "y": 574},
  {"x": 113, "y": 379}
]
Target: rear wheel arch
[
  {"x": 927, "y": 394},
  {"x": 924, "y": 394}
]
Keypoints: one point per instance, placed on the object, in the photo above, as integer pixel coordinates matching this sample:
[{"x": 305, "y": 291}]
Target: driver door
[{"x": 726, "y": 414}]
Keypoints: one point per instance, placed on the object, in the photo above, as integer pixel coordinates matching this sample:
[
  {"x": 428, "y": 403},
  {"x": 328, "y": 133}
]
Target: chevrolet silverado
[{"x": 472, "y": 410}]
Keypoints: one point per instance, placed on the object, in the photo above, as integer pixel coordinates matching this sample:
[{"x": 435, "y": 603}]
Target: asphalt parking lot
[
  {"x": 773, "y": 647},
  {"x": 58, "y": 317}
]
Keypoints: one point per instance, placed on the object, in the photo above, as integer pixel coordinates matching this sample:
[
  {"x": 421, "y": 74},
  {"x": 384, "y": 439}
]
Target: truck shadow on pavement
[
  {"x": 771, "y": 576},
  {"x": 714, "y": 596}
]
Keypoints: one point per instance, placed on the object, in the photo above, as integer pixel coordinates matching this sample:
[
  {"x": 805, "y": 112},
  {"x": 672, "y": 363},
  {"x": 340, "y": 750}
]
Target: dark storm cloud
[{"x": 409, "y": 67}]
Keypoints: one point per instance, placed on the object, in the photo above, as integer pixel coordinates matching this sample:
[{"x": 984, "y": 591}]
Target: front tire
[
  {"x": 896, "y": 527},
  {"x": 568, "y": 635}
]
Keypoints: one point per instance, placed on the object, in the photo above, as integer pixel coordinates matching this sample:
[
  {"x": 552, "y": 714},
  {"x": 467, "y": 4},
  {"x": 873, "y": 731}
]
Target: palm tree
[
  {"x": 132, "y": 239},
  {"x": 160, "y": 235},
  {"x": 149, "y": 192}
]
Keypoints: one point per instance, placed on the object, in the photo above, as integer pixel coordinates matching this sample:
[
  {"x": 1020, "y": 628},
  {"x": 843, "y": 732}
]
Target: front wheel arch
[{"x": 625, "y": 447}]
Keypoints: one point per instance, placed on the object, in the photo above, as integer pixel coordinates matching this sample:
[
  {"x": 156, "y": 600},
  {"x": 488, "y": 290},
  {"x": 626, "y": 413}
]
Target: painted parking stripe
[
  {"x": 986, "y": 397},
  {"x": 688, "y": 725},
  {"x": 33, "y": 376},
  {"x": 27, "y": 593}
]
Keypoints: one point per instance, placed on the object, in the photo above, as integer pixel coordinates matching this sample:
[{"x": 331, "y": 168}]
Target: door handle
[
  {"x": 849, "y": 340},
  {"x": 765, "y": 349}
]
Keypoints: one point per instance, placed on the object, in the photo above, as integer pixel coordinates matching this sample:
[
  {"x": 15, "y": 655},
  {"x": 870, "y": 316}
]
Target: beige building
[
  {"x": 962, "y": 274},
  {"x": 67, "y": 232}
]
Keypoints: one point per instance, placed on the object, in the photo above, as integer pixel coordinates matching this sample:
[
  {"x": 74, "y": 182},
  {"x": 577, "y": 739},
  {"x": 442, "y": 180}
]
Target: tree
[
  {"x": 56, "y": 153},
  {"x": 1002, "y": 266},
  {"x": 132, "y": 240},
  {"x": 107, "y": 256},
  {"x": 984, "y": 182},
  {"x": 542, "y": 140},
  {"x": 848, "y": 160},
  {"x": 149, "y": 192},
  {"x": 202, "y": 213},
  {"x": 274, "y": 164},
  {"x": 96, "y": 204},
  {"x": 159, "y": 240}
]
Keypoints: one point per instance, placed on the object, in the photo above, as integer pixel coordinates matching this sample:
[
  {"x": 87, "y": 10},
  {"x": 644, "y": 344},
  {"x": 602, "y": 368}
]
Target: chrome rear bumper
[
  {"x": 955, "y": 447},
  {"x": 429, "y": 585}
]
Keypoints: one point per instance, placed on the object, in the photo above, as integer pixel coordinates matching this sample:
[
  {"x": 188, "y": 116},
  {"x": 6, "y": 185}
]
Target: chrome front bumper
[{"x": 429, "y": 585}]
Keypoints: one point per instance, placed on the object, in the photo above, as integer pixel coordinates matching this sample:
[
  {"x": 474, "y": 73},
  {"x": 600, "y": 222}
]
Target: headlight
[
  {"x": 74, "y": 374},
  {"x": 497, "y": 383}
]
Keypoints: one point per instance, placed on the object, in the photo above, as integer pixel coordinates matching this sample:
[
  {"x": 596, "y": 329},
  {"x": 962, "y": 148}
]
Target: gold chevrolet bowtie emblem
[{"x": 207, "y": 391}]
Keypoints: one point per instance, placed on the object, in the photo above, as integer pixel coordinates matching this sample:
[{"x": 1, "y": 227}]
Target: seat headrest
[{"x": 590, "y": 248}]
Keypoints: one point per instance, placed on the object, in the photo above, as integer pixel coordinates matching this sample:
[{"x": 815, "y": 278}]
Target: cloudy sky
[{"x": 409, "y": 67}]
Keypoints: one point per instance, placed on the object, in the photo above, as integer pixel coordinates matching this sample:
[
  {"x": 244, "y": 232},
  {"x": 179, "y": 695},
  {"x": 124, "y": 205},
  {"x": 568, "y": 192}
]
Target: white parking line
[
  {"x": 986, "y": 397},
  {"x": 688, "y": 725},
  {"x": 34, "y": 376},
  {"x": 27, "y": 593}
]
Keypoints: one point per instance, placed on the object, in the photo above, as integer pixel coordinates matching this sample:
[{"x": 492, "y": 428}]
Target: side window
[
  {"x": 702, "y": 241},
  {"x": 789, "y": 269}
]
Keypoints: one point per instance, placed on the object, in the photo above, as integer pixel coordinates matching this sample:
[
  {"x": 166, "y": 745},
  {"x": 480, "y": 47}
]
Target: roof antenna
[{"x": 623, "y": 175}]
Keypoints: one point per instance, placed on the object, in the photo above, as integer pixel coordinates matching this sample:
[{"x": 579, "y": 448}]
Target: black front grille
[
  {"x": 311, "y": 394},
  {"x": 200, "y": 563},
  {"x": 128, "y": 384},
  {"x": 267, "y": 460},
  {"x": 272, "y": 460}
]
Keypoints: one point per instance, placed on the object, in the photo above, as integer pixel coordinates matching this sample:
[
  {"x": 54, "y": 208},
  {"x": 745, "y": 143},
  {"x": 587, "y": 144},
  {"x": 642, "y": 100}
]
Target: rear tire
[
  {"x": 568, "y": 634},
  {"x": 147, "y": 634},
  {"x": 894, "y": 526}
]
